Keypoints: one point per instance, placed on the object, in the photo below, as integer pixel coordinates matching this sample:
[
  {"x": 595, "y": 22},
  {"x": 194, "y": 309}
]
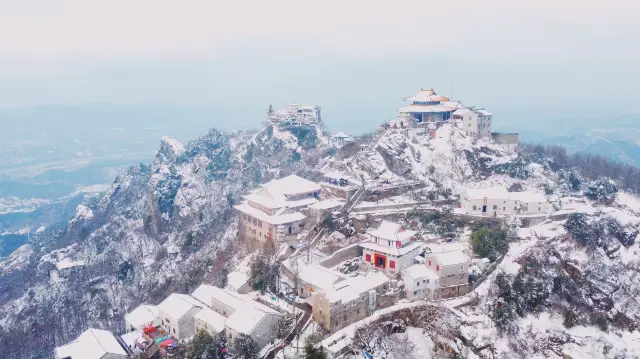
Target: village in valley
[{"x": 321, "y": 256}]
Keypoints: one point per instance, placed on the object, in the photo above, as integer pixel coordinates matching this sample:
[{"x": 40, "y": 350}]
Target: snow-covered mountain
[
  {"x": 158, "y": 229},
  {"x": 169, "y": 226}
]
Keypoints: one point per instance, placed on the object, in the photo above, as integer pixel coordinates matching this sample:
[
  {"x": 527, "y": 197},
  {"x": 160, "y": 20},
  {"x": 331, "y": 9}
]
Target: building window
[
  {"x": 429, "y": 263},
  {"x": 174, "y": 330},
  {"x": 417, "y": 283},
  {"x": 474, "y": 208},
  {"x": 415, "y": 292},
  {"x": 539, "y": 209},
  {"x": 504, "y": 208},
  {"x": 392, "y": 264},
  {"x": 426, "y": 281},
  {"x": 515, "y": 208},
  {"x": 495, "y": 207},
  {"x": 260, "y": 224},
  {"x": 437, "y": 268},
  {"x": 367, "y": 257}
]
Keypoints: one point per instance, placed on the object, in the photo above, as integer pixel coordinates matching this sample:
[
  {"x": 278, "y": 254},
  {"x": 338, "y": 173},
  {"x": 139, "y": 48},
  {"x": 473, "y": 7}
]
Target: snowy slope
[
  {"x": 164, "y": 227},
  {"x": 157, "y": 229}
]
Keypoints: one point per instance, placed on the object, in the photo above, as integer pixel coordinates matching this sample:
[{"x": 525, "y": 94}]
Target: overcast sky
[{"x": 355, "y": 58}]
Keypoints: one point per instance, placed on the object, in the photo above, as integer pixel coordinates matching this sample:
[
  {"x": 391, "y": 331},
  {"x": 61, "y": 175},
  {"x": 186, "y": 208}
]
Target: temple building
[
  {"x": 294, "y": 115},
  {"x": 426, "y": 106},
  {"x": 497, "y": 201},
  {"x": 271, "y": 213},
  {"x": 428, "y": 110},
  {"x": 392, "y": 248}
]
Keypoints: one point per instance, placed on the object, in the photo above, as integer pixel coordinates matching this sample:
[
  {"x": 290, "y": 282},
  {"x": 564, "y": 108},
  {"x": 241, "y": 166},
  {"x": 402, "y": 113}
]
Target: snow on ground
[
  {"x": 344, "y": 336},
  {"x": 18, "y": 259},
  {"x": 176, "y": 146},
  {"x": 391, "y": 200},
  {"x": 422, "y": 344}
]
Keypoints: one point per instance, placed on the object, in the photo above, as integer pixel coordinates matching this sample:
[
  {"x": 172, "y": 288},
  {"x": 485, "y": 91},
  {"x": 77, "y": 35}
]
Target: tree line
[{"x": 590, "y": 166}]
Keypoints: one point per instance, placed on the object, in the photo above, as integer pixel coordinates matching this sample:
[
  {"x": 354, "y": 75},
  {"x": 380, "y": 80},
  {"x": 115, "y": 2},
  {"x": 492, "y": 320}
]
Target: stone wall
[
  {"x": 342, "y": 255},
  {"x": 505, "y": 138}
]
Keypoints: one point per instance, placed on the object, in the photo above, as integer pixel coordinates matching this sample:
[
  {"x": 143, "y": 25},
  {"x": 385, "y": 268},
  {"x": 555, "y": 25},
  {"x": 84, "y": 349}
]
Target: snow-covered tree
[
  {"x": 603, "y": 191},
  {"x": 244, "y": 347}
]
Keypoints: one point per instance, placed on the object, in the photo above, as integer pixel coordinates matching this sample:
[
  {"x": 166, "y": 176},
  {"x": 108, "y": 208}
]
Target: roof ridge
[{"x": 98, "y": 340}]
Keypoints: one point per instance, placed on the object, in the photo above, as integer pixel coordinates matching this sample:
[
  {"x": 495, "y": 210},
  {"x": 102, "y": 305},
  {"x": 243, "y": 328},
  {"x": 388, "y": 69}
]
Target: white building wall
[
  {"x": 402, "y": 262},
  {"x": 444, "y": 271},
  {"x": 419, "y": 288},
  {"x": 169, "y": 324},
  {"x": 231, "y": 334},
  {"x": 186, "y": 325},
  {"x": 263, "y": 332},
  {"x": 470, "y": 124},
  {"x": 484, "y": 126},
  {"x": 200, "y": 324},
  {"x": 503, "y": 206},
  {"x": 475, "y": 205}
]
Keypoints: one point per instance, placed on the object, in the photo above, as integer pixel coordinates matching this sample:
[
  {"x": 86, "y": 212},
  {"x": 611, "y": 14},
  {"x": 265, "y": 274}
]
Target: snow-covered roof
[
  {"x": 391, "y": 250},
  {"x": 213, "y": 319},
  {"x": 426, "y": 96},
  {"x": 352, "y": 288},
  {"x": 392, "y": 232},
  {"x": 438, "y": 108},
  {"x": 205, "y": 293},
  {"x": 177, "y": 305},
  {"x": 446, "y": 247},
  {"x": 263, "y": 198},
  {"x": 237, "y": 279},
  {"x": 327, "y": 204},
  {"x": 131, "y": 338},
  {"x": 247, "y": 319},
  {"x": 484, "y": 112},
  {"x": 453, "y": 104},
  {"x": 143, "y": 315},
  {"x": 320, "y": 277},
  {"x": 489, "y": 192},
  {"x": 451, "y": 258},
  {"x": 463, "y": 112},
  {"x": 276, "y": 193},
  {"x": 280, "y": 217},
  {"x": 68, "y": 263},
  {"x": 527, "y": 197},
  {"x": 419, "y": 271},
  {"x": 341, "y": 134},
  {"x": 291, "y": 185},
  {"x": 92, "y": 344}
]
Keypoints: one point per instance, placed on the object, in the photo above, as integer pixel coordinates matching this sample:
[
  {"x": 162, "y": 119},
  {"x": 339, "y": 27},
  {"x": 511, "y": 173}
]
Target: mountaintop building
[{"x": 271, "y": 213}]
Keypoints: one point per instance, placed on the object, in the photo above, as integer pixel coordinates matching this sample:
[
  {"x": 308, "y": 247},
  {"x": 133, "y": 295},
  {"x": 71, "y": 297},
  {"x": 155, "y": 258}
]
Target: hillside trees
[
  {"x": 489, "y": 242},
  {"x": 244, "y": 347},
  {"x": 589, "y": 166},
  {"x": 603, "y": 191}
]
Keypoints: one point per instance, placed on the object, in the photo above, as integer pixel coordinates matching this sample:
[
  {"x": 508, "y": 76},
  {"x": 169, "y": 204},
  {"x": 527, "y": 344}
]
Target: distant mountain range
[{"x": 617, "y": 138}]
